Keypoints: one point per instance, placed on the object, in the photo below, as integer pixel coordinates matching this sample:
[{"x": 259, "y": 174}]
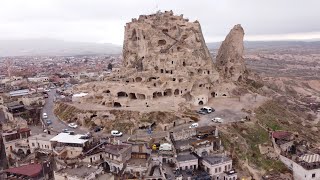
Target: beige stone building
[
  {"x": 219, "y": 167},
  {"x": 16, "y": 144},
  {"x": 41, "y": 142}
]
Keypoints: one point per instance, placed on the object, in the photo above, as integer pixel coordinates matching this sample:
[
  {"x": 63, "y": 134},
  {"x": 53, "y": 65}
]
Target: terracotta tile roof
[
  {"x": 24, "y": 130},
  {"x": 31, "y": 170},
  {"x": 281, "y": 135}
]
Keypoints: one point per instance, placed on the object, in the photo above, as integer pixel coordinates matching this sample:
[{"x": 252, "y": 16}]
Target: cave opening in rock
[{"x": 116, "y": 104}]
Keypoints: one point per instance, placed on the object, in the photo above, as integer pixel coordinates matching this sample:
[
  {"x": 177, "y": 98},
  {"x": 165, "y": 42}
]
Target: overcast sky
[{"x": 104, "y": 20}]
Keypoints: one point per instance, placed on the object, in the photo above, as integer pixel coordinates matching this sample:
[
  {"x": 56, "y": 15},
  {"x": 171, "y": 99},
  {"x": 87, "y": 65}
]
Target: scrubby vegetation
[{"x": 244, "y": 145}]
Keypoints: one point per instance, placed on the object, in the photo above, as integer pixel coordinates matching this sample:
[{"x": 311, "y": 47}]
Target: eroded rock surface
[
  {"x": 166, "y": 64},
  {"x": 230, "y": 61}
]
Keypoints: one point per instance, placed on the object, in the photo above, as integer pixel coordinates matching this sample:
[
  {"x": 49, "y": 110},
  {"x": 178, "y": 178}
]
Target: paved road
[{"x": 57, "y": 125}]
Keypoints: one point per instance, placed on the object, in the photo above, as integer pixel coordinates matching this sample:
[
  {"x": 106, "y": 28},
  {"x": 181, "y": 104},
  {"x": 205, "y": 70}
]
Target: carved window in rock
[
  {"x": 165, "y": 30},
  {"x": 162, "y": 42}
]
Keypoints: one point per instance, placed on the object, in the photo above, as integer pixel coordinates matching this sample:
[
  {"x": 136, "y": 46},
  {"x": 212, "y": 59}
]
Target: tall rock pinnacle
[{"x": 230, "y": 61}]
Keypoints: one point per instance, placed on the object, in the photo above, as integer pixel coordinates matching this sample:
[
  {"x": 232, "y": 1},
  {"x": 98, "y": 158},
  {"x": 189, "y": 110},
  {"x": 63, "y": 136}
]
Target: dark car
[
  {"x": 49, "y": 122},
  {"x": 202, "y": 136},
  {"x": 201, "y": 112},
  {"x": 97, "y": 129}
]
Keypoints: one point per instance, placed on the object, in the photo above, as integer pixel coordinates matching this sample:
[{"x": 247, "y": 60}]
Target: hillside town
[{"x": 164, "y": 109}]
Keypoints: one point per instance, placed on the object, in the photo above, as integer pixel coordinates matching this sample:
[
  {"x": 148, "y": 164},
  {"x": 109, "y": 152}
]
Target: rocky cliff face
[
  {"x": 230, "y": 62},
  {"x": 166, "y": 43}
]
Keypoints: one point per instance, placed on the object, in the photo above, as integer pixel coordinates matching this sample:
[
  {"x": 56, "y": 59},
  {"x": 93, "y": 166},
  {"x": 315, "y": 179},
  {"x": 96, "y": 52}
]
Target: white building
[
  {"x": 219, "y": 167},
  {"x": 40, "y": 142},
  {"x": 67, "y": 148},
  {"x": 307, "y": 167}
]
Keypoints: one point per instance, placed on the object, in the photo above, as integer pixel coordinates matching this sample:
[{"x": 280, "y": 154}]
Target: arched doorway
[
  {"x": 105, "y": 166},
  {"x": 200, "y": 103}
]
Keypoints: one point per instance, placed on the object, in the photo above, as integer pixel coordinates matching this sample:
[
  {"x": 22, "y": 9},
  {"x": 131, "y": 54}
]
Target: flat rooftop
[
  {"x": 216, "y": 159},
  {"x": 67, "y": 138},
  {"x": 116, "y": 149},
  {"x": 186, "y": 157},
  {"x": 186, "y": 142},
  {"x": 42, "y": 136}
]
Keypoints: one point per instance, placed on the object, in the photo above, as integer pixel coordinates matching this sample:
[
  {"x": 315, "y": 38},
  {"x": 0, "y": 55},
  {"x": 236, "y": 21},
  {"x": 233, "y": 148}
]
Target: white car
[
  {"x": 44, "y": 115},
  {"x": 194, "y": 125},
  {"x": 116, "y": 133},
  {"x": 217, "y": 120},
  {"x": 73, "y": 125},
  {"x": 165, "y": 147}
]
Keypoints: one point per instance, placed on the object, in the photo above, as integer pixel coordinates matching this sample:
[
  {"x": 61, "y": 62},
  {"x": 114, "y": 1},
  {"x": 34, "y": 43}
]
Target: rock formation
[
  {"x": 163, "y": 43},
  {"x": 166, "y": 62},
  {"x": 230, "y": 61}
]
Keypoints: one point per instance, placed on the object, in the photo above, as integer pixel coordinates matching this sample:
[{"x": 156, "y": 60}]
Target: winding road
[{"x": 57, "y": 125}]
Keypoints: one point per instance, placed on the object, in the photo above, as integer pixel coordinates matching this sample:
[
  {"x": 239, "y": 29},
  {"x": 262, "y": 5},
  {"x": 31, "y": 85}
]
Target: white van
[
  {"x": 44, "y": 115},
  {"x": 165, "y": 147},
  {"x": 217, "y": 120},
  {"x": 207, "y": 109},
  {"x": 194, "y": 125}
]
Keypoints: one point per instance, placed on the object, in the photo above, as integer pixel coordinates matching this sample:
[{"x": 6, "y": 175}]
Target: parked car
[
  {"x": 44, "y": 115},
  {"x": 155, "y": 146},
  {"x": 97, "y": 129},
  {"x": 194, "y": 125},
  {"x": 86, "y": 136},
  {"x": 49, "y": 122},
  {"x": 217, "y": 120},
  {"x": 207, "y": 109},
  {"x": 73, "y": 125},
  {"x": 65, "y": 130},
  {"x": 165, "y": 147},
  {"x": 201, "y": 112},
  {"x": 202, "y": 136},
  {"x": 116, "y": 133}
]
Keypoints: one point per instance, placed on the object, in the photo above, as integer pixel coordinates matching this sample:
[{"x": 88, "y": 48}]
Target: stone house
[
  {"x": 16, "y": 143},
  {"x": 41, "y": 142},
  {"x": 217, "y": 166},
  {"x": 187, "y": 161},
  {"x": 306, "y": 166}
]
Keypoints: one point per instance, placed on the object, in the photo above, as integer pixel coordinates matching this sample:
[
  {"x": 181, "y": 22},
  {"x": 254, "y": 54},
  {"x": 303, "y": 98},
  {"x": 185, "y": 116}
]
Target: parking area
[{"x": 229, "y": 109}]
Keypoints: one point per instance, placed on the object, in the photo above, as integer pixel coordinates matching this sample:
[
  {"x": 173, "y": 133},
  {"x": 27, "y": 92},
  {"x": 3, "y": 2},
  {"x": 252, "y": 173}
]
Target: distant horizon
[{"x": 109, "y": 43}]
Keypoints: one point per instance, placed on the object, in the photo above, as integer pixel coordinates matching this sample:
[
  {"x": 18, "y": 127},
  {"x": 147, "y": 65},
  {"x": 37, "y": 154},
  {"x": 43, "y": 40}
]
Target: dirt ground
[{"x": 231, "y": 109}]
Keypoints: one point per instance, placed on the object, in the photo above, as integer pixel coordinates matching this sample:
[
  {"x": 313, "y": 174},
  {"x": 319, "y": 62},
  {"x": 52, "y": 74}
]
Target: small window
[
  {"x": 313, "y": 175},
  {"x": 33, "y": 144}
]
